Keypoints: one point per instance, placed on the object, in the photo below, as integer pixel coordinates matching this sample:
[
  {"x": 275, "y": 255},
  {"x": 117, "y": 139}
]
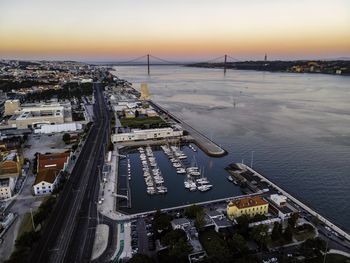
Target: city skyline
[{"x": 181, "y": 30}]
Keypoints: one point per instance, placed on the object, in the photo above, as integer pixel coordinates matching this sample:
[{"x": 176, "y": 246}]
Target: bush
[
  {"x": 66, "y": 138},
  {"x": 192, "y": 211},
  {"x": 173, "y": 236}
]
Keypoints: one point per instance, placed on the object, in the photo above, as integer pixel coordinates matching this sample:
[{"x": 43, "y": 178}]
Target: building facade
[
  {"x": 35, "y": 115},
  {"x": 249, "y": 206},
  {"x": 49, "y": 168},
  {"x": 148, "y": 134},
  {"x": 10, "y": 169},
  {"x": 11, "y": 106},
  {"x": 6, "y": 187}
]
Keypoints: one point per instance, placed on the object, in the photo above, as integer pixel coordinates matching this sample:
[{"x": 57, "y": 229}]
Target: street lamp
[
  {"x": 325, "y": 253},
  {"x": 251, "y": 160},
  {"x": 262, "y": 234}
]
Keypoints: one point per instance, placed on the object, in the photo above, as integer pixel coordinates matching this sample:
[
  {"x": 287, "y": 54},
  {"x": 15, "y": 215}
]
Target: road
[
  {"x": 20, "y": 206},
  {"x": 70, "y": 230}
]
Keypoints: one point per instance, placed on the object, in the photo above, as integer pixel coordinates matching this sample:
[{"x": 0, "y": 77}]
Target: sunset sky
[{"x": 107, "y": 30}]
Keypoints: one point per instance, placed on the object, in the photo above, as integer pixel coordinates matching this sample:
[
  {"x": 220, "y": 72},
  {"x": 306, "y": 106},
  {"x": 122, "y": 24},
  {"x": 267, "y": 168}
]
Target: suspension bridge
[{"x": 148, "y": 60}]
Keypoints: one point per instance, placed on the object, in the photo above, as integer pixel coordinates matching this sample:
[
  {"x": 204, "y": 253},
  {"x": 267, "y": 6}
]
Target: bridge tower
[
  {"x": 225, "y": 64},
  {"x": 148, "y": 70}
]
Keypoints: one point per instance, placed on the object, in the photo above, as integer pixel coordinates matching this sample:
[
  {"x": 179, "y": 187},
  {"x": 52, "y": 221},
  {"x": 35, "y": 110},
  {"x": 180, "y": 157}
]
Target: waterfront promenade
[{"x": 301, "y": 204}]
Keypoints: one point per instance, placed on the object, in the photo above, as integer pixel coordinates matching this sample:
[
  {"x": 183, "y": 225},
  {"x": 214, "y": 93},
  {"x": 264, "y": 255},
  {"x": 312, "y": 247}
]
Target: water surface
[{"x": 298, "y": 126}]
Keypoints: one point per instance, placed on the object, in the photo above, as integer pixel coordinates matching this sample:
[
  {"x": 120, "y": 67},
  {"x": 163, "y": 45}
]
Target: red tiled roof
[
  {"x": 248, "y": 202},
  {"x": 8, "y": 167},
  {"x": 47, "y": 175},
  {"x": 50, "y": 165},
  {"x": 56, "y": 160}
]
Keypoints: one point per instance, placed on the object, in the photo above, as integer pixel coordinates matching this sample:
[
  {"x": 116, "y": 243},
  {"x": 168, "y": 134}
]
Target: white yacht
[
  {"x": 181, "y": 170},
  {"x": 177, "y": 165}
]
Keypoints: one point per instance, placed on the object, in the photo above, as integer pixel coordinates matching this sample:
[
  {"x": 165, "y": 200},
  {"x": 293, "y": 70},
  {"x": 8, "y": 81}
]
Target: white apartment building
[
  {"x": 6, "y": 187},
  {"x": 148, "y": 134}
]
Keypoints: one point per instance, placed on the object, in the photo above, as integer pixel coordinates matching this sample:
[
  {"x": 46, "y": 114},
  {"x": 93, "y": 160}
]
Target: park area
[{"x": 143, "y": 122}]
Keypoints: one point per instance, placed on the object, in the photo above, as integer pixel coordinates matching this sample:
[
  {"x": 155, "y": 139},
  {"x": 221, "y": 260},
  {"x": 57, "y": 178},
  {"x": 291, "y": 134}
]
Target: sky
[{"x": 116, "y": 30}]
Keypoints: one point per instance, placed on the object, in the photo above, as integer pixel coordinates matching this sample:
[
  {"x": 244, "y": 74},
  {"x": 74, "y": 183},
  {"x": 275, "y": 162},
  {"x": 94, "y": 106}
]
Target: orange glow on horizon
[{"x": 282, "y": 28}]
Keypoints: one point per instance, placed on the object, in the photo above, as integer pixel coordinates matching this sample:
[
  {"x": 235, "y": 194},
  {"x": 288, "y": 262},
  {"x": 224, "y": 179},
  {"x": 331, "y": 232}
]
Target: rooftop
[
  {"x": 50, "y": 165},
  {"x": 180, "y": 221},
  {"x": 47, "y": 175},
  {"x": 214, "y": 213},
  {"x": 248, "y": 202},
  {"x": 223, "y": 222},
  {"x": 56, "y": 160}
]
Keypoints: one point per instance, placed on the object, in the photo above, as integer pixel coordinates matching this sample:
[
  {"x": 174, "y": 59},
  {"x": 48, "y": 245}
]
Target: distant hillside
[{"x": 340, "y": 67}]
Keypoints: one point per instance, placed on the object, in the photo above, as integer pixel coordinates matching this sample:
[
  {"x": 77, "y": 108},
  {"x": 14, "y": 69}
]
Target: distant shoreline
[{"x": 338, "y": 67}]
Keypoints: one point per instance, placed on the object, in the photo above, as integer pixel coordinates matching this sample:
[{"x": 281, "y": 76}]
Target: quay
[
  {"x": 301, "y": 204},
  {"x": 144, "y": 143},
  {"x": 203, "y": 142},
  {"x": 126, "y": 217}
]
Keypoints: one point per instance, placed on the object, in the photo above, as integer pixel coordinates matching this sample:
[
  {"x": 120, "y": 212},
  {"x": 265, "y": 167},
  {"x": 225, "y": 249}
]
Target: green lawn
[
  {"x": 26, "y": 224},
  {"x": 303, "y": 235},
  {"x": 143, "y": 123}
]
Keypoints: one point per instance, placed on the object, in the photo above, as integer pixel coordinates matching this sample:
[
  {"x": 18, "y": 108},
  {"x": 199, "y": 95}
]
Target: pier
[
  {"x": 301, "y": 204},
  {"x": 203, "y": 142}
]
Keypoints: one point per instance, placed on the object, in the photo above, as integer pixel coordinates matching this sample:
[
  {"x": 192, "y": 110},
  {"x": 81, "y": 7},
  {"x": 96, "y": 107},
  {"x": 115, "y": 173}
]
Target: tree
[
  {"x": 173, "y": 236},
  {"x": 313, "y": 247},
  {"x": 66, "y": 138},
  {"x": 239, "y": 242},
  {"x": 316, "y": 221},
  {"x": 180, "y": 250},
  {"x": 276, "y": 231},
  {"x": 74, "y": 147},
  {"x": 140, "y": 258},
  {"x": 292, "y": 220},
  {"x": 260, "y": 233},
  {"x": 258, "y": 218},
  {"x": 242, "y": 225},
  {"x": 27, "y": 239},
  {"x": 199, "y": 222},
  {"x": 161, "y": 222},
  {"x": 288, "y": 233},
  {"x": 191, "y": 211},
  {"x": 110, "y": 146}
]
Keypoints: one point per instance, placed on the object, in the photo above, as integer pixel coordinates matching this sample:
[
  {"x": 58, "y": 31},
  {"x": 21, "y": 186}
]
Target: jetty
[{"x": 203, "y": 142}]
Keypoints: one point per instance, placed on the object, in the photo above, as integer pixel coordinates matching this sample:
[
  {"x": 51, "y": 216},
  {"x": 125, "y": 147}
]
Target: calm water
[{"x": 298, "y": 126}]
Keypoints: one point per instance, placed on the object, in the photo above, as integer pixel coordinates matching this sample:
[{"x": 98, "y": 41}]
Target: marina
[
  {"x": 191, "y": 181},
  {"x": 151, "y": 173},
  {"x": 197, "y": 179}
]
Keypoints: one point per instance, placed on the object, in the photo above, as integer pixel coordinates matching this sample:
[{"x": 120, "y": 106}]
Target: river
[{"x": 297, "y": 125}]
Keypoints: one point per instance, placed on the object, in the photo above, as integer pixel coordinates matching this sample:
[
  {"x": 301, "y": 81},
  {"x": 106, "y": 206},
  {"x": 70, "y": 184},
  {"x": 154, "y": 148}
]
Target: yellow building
[
  {"x": 145, "y": 95},
  {"x": 11, "y": 106},
  {"x": 247, "y": 206}
]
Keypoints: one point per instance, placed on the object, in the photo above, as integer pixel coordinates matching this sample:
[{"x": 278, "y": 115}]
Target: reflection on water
[{"x": 298, "y": 125}]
